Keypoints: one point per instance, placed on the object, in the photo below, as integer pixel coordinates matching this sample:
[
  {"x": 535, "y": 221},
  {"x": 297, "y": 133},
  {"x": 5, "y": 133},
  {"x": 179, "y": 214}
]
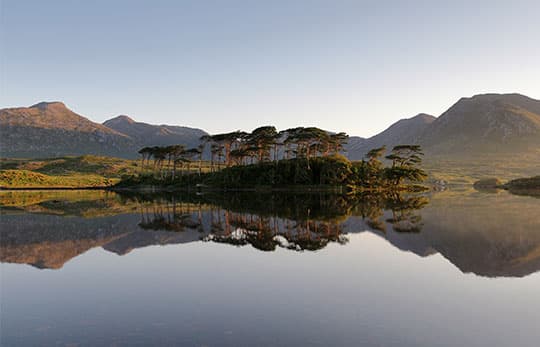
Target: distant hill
[
  {"x": 155, "y": 135},
  {"x": 404, "y": 131},
  {"x": 475, "y": 127},
  {"x": 354, "y": 145},
  {"x": 51, "y": 129}
]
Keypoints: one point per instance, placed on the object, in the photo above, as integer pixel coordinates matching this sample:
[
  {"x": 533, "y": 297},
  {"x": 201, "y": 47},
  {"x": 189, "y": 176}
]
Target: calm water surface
[{"x": 444, "y": 269}]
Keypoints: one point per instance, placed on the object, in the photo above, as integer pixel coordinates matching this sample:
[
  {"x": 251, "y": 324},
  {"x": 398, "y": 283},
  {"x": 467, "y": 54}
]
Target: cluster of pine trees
[
  {"x": 404, "y": 165},
  {"x": 267, "y": 144},
  {"x": 377, "y": 172},
  {"x": 167, "y": 159},
  {"x": 240, "y": 148},
  {"x": 296, "y": 156}
]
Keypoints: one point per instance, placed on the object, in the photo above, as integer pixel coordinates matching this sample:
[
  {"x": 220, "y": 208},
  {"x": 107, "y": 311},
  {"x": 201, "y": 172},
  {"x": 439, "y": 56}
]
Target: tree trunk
[{"x": 307, "y": 156}]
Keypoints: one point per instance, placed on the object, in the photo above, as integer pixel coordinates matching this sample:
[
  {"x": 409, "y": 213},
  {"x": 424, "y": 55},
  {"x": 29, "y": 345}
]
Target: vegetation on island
[
  {"x": 524, "y": 186},
  {"x": 520, "y": 186},
  {"x": 524, "y": 183},
  {"x": 303, "y": 156},
  {"x": 487, "y": 183}
]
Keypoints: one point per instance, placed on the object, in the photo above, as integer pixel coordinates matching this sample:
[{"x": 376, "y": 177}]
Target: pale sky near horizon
[{"x": 353, "y": 66}]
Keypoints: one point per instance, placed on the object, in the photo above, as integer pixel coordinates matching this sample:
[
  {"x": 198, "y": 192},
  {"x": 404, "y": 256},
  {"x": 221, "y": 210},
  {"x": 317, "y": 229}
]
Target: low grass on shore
[
  {"x": 30, "y": 179},
  {"x": 66, "y": 172},
  {"x": 86, "y": 171},
  {"x": 86, "y": 164}
]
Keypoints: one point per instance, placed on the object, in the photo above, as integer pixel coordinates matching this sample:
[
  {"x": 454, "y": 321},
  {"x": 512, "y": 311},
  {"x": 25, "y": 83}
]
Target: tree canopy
[{"x": 301, "y": 147}]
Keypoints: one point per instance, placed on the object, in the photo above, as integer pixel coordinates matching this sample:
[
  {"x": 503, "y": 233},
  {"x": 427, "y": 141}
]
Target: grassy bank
[
  {"x": 30, "y": 179},
  {"x": 87, "y": 171},
  {"x": 65, "y": 172}
]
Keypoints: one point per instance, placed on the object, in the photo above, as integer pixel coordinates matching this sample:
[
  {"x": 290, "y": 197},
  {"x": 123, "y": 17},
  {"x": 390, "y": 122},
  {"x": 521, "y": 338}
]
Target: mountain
[
  {"x": 496, "y": 123},
  {"x": 51, "y": 129},
  {"x": 155, "y": 135},
  {"x": 354, "y": 145},
  {"x": 404, "y": 131},
  {"x": 488, "y": 126},
  {"x": 479, "y": 126}
]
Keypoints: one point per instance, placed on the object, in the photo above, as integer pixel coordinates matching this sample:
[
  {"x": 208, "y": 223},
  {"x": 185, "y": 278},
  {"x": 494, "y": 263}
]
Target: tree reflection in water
[
  {"x": 169, "y": 215},
  {"x": 405, "y": 211},
  {"x": 266, "y": 221}
]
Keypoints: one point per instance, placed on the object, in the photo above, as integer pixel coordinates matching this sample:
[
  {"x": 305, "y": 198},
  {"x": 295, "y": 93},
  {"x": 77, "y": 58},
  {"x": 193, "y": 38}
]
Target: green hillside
[{"x": 64, "y": 172}]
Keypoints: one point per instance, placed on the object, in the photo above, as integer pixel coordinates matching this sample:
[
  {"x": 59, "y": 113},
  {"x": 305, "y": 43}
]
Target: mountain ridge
[
  {"x": 51, "y": 129},
  {"x": 145, "y": 134},
  {"x": 404, "y": 131},
  {"x": 472, "y": 127},
  {"x": 493, "y": 122}
]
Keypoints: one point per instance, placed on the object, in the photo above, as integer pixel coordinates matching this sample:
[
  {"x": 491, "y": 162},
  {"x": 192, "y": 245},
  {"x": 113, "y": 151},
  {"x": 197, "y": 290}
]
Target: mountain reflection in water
[{"x": 486, "y": 234}]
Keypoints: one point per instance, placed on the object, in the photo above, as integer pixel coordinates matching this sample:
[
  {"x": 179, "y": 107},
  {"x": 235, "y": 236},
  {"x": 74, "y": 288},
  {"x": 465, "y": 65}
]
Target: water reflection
[
  {"x": 405, "y": 211},
  {"x": 486, "y": 234},
  {"x": 296, "y": 222}
]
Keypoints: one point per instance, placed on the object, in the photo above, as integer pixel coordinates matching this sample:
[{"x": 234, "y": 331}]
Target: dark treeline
[
  {"x": 266, "y": 157},
  {"x": 267, "y": 144},
  {"x": 174, "y": 156},
  {"x": 241, "y": 148}
]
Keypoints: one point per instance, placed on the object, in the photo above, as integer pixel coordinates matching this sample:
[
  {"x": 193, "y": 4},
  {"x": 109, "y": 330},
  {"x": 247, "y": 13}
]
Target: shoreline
[
  {"x": 202, "y": 189},
  {"x": 53, "y": 188}
]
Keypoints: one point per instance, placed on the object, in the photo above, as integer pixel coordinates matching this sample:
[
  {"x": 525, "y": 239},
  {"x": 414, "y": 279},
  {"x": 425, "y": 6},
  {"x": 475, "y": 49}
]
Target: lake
[{"x": 87, "y": 268}]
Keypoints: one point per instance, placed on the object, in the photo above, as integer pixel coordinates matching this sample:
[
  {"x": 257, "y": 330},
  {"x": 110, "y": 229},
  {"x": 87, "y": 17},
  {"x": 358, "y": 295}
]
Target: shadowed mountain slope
[
  {"x": 404, "y": 131},
  {"x": 155, "y": 135}
]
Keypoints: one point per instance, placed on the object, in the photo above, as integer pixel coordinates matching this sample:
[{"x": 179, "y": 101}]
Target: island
[{"x": 302, "y": 158}]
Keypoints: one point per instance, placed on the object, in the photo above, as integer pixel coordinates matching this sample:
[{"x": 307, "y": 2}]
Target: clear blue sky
[{"x": 354, "y": 66}]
